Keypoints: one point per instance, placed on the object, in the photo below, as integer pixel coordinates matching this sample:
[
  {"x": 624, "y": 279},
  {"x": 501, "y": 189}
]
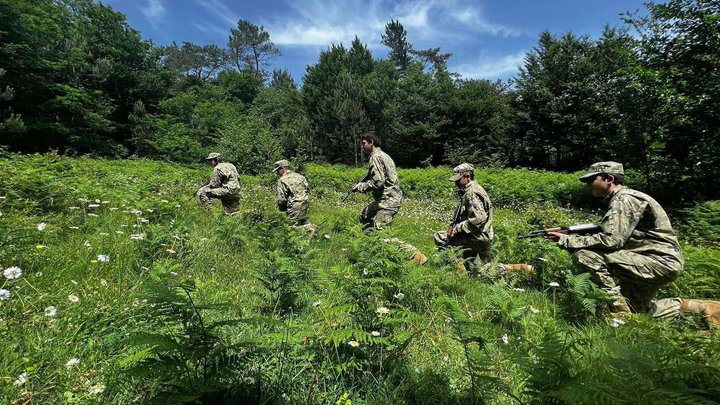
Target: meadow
[{"x": 122, "y": 290}]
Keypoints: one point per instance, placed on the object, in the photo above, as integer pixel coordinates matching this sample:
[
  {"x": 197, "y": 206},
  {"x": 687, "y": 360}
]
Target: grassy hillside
[{"x": 130, "y": 293}]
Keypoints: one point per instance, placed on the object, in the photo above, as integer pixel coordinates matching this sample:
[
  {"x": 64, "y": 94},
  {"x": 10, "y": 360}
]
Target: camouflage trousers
[
  {"x": 472, "y": 245},
  {"x": 378, "y": 214},
  {"x": 230, "y": 198},
  {"x": 297, "y": 212},
  {"x": 637, "y": 277},
  {"x": 404, "y": 246}
]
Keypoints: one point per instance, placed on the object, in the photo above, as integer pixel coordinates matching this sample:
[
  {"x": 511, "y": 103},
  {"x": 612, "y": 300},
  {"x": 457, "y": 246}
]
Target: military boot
[
  {"x": 524, "y": 268},
  {"x": 709, "y": 309},
  {"x": 419, "y": 258}
]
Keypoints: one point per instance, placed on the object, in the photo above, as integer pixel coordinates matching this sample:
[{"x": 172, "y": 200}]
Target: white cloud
[
  {"x": 487, "y": 68},
  {"x": 209, "y": 28},
  {"x": 221, "y": 11},
  {"x": 153, "y": 10},
  {"x": 321, "y": 22}
]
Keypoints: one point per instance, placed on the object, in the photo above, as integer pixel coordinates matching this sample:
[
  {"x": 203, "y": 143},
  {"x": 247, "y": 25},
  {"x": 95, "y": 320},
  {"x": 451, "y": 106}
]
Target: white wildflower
[
  {"x": 399, "y": 296},
  {"x": 446, "y": 358},
  {"x": 50, "y": 311},
  {"x": 41, "y": 226},
  {"x": 505, "y": 339},
  {"x": 86, "y": 243},
  {"x": 72, "y": 362},
  {"x": 382, "y": 311},
  {"x": 354, "y": 343},
  {"x": 97, "y": 200},
  {"x": 73, "y": 208},
  {"x": 164, "y": 201},
  {"x": 326, "y": 236},
  {"x": 137, "y": 236},
  {"x": 4, "y": 294},
  {"x": 103, "y": 258},
  {"x": 74, "y": 227},
  {"x": 518, "y": 289},
  {"x": 93, "y": 205},
  {"x": 103, "y": 282},
  {"x": 96, "y": 389},
  {"x": 74, "y": 282},
  {"x": 365, "y": 272},
  {"x": 553, "y": 284},
  {"x": 170, "y": 251},
  {"x": 105, "y": 202},
  {"x": 317, "y": 303},
  {"x": 12, "y": 272},
  {"x": 20, "y": 380},
  {"x": 113, "y": 208},
  {"x": 375, "y": 333},
  {"x": 73, "y": 298},
  {"x": 249, "y": 380},
  {"x": 144, "y": 220},
  {"x": 178, "y": 206},
  {"x": 119, "y": 232},
  {"x": 616, "y": 322},
  {"x": 104, "y": 234},
  {"x": 534, "y": 310},
  {"x": 93, "y": 215}
]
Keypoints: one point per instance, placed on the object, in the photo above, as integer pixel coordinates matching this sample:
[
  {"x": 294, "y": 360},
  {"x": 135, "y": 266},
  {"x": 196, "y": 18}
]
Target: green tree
[
  {"x": 202, "y": 62},
  {"x": 395, "y": 38},
  {"x": 250, "y": 48}
]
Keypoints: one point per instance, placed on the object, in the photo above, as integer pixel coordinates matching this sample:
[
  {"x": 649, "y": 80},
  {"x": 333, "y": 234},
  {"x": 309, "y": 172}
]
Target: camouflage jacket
[
  {"x": 382, "y": 180},
  {"x": 225, "y": 175},
  {"x": 476, "y": 214},
  {"x": 291, "y": 188},
  {"x": 635, "y": 222}
]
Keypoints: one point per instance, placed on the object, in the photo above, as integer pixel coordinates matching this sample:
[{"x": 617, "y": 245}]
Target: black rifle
[
  {"x": 367, "y": 176},
  {"x": 196, "y": 192},
  {"x": 456, "y": 217},
  {"x": 583, "y": 229}
]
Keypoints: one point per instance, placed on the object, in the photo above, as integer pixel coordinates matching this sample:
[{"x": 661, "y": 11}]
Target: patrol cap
[
  {"x": 281, "y": 163},
  {"x": 461, "y": 170},
  {"x": 213, "y": 155},
  {"x": 602, "y": 167}
]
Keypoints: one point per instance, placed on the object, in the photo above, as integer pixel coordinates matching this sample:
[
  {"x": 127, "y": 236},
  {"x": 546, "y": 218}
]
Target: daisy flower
[
  {"x": 354, "y": 343},
  {"x": 50, "y": 311},
  {"x": 4, "y": 294},
  {"x": 73, "y": 298},
  {"x": 382, "y": 311},
  {"x": 12, "y": 272}
]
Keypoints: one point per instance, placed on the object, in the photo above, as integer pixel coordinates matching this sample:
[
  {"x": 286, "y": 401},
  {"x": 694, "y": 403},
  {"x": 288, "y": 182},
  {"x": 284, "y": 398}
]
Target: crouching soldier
[
  {"x": 292, "y": 193},
  {"x": 637, "y": 251},
  {"x": 471, "y": 228},
  {"x": 224, "y": 185}
]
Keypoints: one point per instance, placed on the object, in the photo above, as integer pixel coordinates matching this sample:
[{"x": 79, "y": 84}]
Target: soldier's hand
[
  {"x": 356, "y": 188},
  {"x": 452, "y": 231},
  {"x": 553, "y": 236}
]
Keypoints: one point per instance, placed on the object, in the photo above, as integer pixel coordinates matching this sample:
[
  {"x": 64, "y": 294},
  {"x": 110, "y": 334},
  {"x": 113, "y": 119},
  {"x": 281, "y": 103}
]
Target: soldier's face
[
  {"x": 366, "y": 146},
  {"x": 463, "y": 181},
  {"x": 600, "y": 187},
  {"x": 213, "y": 162}
]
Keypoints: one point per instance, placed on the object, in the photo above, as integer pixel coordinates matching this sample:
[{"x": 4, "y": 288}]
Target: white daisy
[
  {"x": 553, "y": 284},
  {"x": 96, "y": 389},
  {"x": 399, "y": 296},
  {"x": 50, "y": 311},
  {"x": 93, "y": 205},
  {"x": 616, "y": 322},
  {"x": 317, "y": 303},
  {"x": 103, "y": 258},
  {"x": 12, "y": 272},
  {"x": 382, "y": 310},
  {"x": 354, "y": 343},
  {"x": 4, "y": 294},
  {"x": 72, "y": 362},
  {"x": 249, "y": 380},
  {"x": 505, "y": 339},
  {"x": 73, "y": 298},
  {"x": 375, "y": 333},
  {"x": 41, "y": 226}
]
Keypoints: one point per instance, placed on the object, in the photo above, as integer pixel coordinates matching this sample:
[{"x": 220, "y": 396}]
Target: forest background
[{"x": 75, "y": 77}]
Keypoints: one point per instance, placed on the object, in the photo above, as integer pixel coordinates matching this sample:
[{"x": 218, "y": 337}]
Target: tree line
[{"x": 75, "y": 77}]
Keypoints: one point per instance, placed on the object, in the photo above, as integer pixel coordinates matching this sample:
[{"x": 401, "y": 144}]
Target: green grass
[{"x": 251, "y": 310}]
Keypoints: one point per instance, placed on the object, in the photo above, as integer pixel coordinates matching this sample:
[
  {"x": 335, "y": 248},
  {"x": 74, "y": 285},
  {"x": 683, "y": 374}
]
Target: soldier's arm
[
  {"x": 282, "y": 195},
  {"x": 215, "y": 179},
  {"x": 477, "y": 215},
  {"x": 617, "y": 225},
  {"x": 376, "y": 178}
]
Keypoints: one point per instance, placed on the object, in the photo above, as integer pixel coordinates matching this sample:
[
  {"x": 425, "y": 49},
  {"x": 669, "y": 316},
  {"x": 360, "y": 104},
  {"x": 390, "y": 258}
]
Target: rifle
[
  {"x": 367, "y": 175},
  {"x": 196, "y": 192},
  {"x": 583, "y": 229},
  {"x": 456, "y": 217}
]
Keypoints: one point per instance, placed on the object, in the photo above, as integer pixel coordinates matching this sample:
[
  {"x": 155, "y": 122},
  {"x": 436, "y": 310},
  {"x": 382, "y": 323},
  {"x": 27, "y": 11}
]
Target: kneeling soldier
[
  {"x": 637, "y": 251},
  {"x": 292, "y": 193},
  {"x": 224, "y": 185},
  {"x": 472, "y": 229}
]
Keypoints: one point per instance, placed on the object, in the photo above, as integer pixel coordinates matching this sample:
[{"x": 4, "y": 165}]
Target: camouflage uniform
[
  {"x": 384, "y": 184},
  {"x": 637, "y": 247},
  {"x": 224, "y": 185},
  {"x": 292, "y": 196},
  {"x": 474, "y": 225}
]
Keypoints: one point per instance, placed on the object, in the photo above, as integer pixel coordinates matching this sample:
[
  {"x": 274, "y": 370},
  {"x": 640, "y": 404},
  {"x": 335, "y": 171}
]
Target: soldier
[
  {"x": 292, "y": 193},
  {"x": 224, "y": 185},
  {"x": 382, "y": 180},
  {"x": 472, "y": 230},
  {"x": 637, "y": 251}
]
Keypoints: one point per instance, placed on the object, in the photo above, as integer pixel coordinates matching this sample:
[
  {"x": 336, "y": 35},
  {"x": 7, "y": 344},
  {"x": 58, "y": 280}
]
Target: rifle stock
[{"x": 582, "y": 229}]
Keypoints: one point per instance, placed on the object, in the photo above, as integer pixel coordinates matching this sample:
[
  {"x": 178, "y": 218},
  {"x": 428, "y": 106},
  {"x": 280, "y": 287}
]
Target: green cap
[
  {"x": 281, "y": 163},
  {"x": 602, "y": 167},
  {"x": 213, "y": 155},
  {"x": 461, "y": 170}
]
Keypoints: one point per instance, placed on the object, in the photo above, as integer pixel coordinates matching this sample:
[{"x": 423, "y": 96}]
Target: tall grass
[{"x": 196, "y": 306}]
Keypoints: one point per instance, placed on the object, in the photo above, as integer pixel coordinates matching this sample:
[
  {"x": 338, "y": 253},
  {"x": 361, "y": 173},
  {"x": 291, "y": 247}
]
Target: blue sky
[{"x": 487, "y": 38}]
